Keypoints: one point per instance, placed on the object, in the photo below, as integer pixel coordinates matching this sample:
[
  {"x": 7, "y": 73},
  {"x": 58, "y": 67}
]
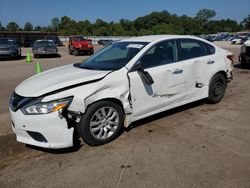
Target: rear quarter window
[
  {"x": 210, "y": 49},
  {"x": 191, "y": 48}
]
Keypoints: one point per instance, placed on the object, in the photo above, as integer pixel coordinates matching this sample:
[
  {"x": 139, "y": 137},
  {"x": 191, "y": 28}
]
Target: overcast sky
[{"x": 40, "y": 12}]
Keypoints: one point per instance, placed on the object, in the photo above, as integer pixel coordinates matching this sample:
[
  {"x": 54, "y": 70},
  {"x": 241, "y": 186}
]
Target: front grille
[
  {"x": 17, "y": 101},
  {"x": 37, "y": 136},
  {"x": 4, "y": 49}
]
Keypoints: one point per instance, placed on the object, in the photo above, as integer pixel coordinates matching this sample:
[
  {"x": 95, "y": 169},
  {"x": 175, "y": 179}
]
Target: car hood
[{"x": 56, "y": 79}]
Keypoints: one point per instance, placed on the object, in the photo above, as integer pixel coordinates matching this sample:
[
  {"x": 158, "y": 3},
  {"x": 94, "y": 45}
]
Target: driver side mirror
[{"x": 145, "y": 76}]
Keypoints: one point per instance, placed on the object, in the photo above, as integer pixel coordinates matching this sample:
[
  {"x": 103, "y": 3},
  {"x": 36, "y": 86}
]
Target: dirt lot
[{"x": 197, "y": 145}]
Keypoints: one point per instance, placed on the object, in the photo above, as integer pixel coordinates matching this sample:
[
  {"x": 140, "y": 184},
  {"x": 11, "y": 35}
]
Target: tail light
[{"x": 231, "y": 58}]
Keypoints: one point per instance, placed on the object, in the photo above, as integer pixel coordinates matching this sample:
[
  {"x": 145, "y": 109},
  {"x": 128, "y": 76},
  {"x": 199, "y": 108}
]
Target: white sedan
[{"x": 122, "y": 83}]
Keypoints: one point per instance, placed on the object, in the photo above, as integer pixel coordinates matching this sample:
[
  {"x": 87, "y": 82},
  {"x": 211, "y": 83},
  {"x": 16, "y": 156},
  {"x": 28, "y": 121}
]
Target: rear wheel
[
  {"x": 217, "y": 88},
  {"x": 242, "y": 60},
  {"x": 91, "y": 52},
  {"x": 75, "y": 52},
  {"x": 102, "y": 123},
  {"x": 70, "y": 52}
]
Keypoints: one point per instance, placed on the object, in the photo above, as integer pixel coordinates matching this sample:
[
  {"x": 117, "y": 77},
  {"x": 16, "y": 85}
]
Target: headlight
[{"x": 48, "y": 107}]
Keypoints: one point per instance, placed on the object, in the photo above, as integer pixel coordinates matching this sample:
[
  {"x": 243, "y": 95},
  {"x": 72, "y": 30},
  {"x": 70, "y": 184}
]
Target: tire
[
  {"x": 242, "y": 60},
  {"x": 101, "y": 131},
  {"x": 91, "y": 52},
  {"x": 70, "y": 51},
  {"x": 76, "y": 53},
  {"x": 217, "y": 88},
  {"x": 18, "y": 56}
]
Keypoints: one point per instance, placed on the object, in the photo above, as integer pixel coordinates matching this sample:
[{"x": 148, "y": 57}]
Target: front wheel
[
  {"x": 217, "y": 88},
  {"x": 102, "y": 123}
]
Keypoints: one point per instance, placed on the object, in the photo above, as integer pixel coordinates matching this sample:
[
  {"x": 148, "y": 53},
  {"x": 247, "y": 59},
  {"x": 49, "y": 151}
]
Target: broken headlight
[{"x": 47, "y": 107}]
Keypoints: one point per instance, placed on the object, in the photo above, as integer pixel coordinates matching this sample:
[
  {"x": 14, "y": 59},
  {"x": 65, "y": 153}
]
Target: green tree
[
  {"x": 1, "y": 27},
  {"x": 12, "y": 26},
  {"x": 205, "y": 15},
  {"x": 154, "y": 23},
  {"x": 84, "y": 27},
  {"x": 117, "y": 30},
  {"x": 101, "y": 28},
  {"x": 28, "y": 26},
  {"x": 38, "y": 28},
  {"x": 246, "y": 22},
  {"x": 55, "y": 23},
  {"x": 65, "y": 25}
]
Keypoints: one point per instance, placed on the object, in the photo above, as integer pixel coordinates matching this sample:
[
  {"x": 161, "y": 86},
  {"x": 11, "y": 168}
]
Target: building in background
[{"x": 27, "y": 38}]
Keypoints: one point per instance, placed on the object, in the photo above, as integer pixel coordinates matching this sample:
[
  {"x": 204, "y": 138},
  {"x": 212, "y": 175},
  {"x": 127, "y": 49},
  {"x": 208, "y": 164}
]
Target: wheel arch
[
  {"x": 111, "y": 99},
  {"x": 219, "y": 72}
]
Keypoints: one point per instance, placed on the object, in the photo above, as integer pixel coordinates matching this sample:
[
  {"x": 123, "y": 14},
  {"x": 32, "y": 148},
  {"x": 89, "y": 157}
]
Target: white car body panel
[
  {"x": 57, "y": 78},
  {"x": 137, "y": 99},
  {"x": 56, "y": 131}
]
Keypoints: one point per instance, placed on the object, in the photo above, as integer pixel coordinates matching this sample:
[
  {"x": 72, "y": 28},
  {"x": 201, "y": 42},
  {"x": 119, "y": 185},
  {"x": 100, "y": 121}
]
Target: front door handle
[
  {"x": 210, "y": 62},
  {"x": 178, "y": 71}
]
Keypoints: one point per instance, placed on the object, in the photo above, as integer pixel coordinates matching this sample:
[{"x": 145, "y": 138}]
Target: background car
[
  {"x": 105, "y": 42},
  {"x": 9, "y": 48},
  {"x": 44, "y": 47},
  {"x": 236, "y": 40},
  {"x": 244, "y": 57},
  {"x": 80, "y": 44}
]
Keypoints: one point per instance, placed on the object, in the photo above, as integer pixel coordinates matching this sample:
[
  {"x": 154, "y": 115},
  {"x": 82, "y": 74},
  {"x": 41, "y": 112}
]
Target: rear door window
[{"x": 190, "y": 48}]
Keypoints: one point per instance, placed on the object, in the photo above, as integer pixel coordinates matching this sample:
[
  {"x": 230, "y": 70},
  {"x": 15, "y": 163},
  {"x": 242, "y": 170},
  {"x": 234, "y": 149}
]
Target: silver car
[
  {"x": 44, "y": 47},
  {"x": 9, "y": 48}
]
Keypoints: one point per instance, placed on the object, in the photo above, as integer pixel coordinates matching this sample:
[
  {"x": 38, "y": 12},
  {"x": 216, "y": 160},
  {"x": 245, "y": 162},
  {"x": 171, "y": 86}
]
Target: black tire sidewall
[
  {"x": 83, "y": 127},
  {"x": 76, "y": 53},
  {"x": 211, "y": 97}
]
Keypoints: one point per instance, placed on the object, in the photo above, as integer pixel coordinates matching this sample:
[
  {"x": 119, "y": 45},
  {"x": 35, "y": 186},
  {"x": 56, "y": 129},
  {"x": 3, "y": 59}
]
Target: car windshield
[
  {"x": 79, "y": 38},
  {"x": 7, "y": 41},
  {"x": 43, "y": 43},
  {"x": 113, "y": 57}
]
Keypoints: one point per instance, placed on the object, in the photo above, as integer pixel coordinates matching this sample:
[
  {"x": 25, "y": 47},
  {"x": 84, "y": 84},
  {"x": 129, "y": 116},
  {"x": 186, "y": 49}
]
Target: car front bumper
[
  {"x": 47, "y": 130},
  {"x": 84, "y": 49},
  {"x": 45, "y": 52},
  {"x": 4, "y": 54}
]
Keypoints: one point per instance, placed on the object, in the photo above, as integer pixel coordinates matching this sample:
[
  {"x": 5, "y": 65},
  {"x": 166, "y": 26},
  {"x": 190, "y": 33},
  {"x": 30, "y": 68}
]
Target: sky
[{"x": 40, "y": 12}]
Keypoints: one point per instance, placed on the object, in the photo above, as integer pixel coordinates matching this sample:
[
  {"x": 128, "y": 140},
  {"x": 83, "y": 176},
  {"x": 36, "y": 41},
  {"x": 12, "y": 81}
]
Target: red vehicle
[{"x": 78, "y": 44}]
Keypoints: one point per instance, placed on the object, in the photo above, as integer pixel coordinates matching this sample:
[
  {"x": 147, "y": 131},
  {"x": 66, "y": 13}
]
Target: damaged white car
[{"x": 124, "y": 82}]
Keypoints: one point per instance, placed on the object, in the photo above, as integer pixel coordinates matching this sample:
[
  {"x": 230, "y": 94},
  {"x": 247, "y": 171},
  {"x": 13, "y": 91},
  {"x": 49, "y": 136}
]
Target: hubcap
[{"x": 104, "y": 123}]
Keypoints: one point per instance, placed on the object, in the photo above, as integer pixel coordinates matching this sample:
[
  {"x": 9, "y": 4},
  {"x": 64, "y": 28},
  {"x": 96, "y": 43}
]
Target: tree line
[{"x": 155, "y": 23}]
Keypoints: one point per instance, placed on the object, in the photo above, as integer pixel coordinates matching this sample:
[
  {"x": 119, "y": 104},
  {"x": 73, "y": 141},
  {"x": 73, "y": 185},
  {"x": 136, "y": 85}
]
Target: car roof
[
  {"x": 79, "y": 36},
  {"x": 152, "y": 38},
  {"x": 7, "y": 38},
  {"x": 44, "y": 40}
]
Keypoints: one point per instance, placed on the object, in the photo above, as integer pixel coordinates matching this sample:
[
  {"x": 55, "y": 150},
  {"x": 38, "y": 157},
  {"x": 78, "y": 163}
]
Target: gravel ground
[{"x": 196, "y": 145}]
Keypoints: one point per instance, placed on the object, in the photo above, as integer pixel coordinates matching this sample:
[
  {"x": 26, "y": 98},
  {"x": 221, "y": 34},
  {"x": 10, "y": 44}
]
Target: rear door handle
[
  {"x": 210, "y": 62},
  {"x": 178, "y": 71}
]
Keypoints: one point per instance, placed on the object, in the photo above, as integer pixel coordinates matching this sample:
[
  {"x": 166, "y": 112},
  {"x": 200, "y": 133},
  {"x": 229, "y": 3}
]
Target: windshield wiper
[
  {"x": 78, "y": 65},
  {"x": 89, "y": 68}
]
